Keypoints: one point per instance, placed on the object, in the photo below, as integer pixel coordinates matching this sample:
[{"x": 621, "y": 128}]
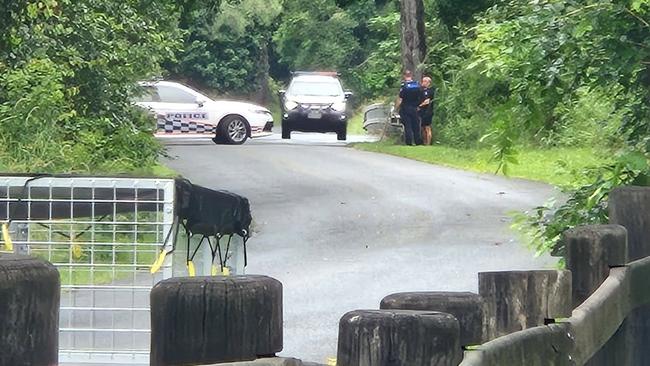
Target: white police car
[{"x": 183, "y": 111}]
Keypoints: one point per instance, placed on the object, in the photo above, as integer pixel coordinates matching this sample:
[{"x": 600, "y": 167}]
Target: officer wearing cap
[{"x": 410, "y": 97}]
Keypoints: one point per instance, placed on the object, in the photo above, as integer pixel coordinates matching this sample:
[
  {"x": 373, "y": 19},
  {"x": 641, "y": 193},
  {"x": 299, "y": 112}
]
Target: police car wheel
[
  {"x": 342, "y": 134},
  {"x": 286, "y": 131},
  {"x": 233, "y": 130}
]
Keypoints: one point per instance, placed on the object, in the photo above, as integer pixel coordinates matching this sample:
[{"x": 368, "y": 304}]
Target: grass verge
[
  {"x": 558, "y": 166},
  {"x": 355, "y": 124},
  {"x": 159, "y": 170}
]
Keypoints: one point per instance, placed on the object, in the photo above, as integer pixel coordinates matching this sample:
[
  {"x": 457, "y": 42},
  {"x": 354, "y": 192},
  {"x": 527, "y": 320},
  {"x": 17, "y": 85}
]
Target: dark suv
[{"x": 314, "y": 102}]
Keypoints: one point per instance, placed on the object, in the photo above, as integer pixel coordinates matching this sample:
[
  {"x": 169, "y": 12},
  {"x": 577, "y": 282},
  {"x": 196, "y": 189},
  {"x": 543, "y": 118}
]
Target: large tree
[{"x": 414, "y": 46}]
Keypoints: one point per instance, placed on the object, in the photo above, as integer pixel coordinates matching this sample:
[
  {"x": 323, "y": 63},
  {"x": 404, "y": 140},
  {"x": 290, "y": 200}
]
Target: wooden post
[
  {"x": 202, "y": 320},
  {"x": 519, "y": 300},
  {"x": 630, "y": 207},
  {"x": 413, "y": 36},
  {"x": 467, "y": 307},
  {"x": 398, "y": 338},
  {"x": 29, "y": 311},
  {"x": 590, "y": 252}
]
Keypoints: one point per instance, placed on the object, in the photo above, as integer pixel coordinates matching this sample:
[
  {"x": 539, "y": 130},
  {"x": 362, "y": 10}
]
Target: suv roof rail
[{"x": 323, "y": 73}]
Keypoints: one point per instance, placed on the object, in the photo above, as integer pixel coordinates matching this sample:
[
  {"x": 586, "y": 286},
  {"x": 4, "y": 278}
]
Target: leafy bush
[
  {"x": 68, "y": 70},
  {"x": 593, "y": 118},
  {"x": 585, "y": 204}
]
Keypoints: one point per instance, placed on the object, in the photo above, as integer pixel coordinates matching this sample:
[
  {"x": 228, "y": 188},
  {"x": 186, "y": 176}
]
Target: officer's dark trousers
[{"x": 411, "y": 124}]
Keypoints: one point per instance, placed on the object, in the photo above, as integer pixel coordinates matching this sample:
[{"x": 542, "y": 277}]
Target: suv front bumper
[{"x": 329, "y": 121}]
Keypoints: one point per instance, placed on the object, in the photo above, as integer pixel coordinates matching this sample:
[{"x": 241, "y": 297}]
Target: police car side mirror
[
  {"x": 200, "y": 102},
  {"x": 348, "y": 94}
]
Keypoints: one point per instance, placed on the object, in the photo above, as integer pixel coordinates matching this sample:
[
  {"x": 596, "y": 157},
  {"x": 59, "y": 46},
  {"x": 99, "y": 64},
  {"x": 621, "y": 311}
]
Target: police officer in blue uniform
[{"x": 410, "y": 97}]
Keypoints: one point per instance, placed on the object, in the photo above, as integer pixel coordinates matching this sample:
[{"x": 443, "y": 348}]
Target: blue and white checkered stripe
[{"x": 177, "y": 126}]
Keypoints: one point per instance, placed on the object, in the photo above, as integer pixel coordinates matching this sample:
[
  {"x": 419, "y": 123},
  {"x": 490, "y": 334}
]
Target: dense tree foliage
[
  {"x": 567, "y": 73},
  {"x": 226, "y": 47},
  {"x": 509, "y": 73},
  {"x": 67, "y": 72}
]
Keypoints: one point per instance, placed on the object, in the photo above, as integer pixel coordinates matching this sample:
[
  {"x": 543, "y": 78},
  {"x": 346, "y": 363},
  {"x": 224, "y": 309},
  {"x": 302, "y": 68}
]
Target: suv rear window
[{"x": 326, "y": 88}]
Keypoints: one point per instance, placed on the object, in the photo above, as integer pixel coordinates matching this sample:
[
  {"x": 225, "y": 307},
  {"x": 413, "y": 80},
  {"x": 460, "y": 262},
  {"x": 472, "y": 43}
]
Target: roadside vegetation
[
  {"x": 560, "y": 166},
  {"x": 553, "y": 90},
  {"x": 550, "y": 90}
]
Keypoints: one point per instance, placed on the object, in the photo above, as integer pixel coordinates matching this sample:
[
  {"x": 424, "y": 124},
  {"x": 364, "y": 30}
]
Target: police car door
[{"x": 180, "y": 111}]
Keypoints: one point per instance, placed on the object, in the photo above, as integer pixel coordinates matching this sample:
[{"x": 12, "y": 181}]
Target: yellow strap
[
  {"x": 77, "y": 252},
  {"x": 216, "y": 272},
  {"x": 190, "y": 269},
  {"x": 7, "y": 238},
  {"x": 159, "y": 262}
]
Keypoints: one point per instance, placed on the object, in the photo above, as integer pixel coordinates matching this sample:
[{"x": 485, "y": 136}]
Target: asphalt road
[{"x": 343, "y": 228}]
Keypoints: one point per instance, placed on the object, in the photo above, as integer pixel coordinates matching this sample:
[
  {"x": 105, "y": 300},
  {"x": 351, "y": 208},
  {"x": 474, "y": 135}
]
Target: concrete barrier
[{"x": 29, "y": 311}]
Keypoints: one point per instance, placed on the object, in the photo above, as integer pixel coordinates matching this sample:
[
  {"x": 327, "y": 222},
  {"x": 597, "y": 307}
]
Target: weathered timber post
[
  {"x": 202, "y": 320},
  {"x": 590, "y": 252},
  {"x": 29, "y": 311},
  {"x": 466, "y": 307},
  {"x": 630, "y": 207},
  {"x": 398, "y": 338},
  {"x": 519, "y": 300}
]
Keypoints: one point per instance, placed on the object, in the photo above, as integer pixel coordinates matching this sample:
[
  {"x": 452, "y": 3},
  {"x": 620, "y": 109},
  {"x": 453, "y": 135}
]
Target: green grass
[
  {"x": 558, "y": 166},
  {"x": 159, "y": 170},
  {"x": 355, "y": 124}
]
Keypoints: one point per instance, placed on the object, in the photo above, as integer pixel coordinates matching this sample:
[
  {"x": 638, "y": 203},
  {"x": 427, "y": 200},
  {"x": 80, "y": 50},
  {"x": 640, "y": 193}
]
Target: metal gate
[{"x": 103, "y": 234}]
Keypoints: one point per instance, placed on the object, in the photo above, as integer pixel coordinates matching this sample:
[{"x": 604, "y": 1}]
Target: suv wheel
[
  {"x": 233, "y": 130},
  {"x": 286, "y": 131},
  {"x": 342, "y": 134}
]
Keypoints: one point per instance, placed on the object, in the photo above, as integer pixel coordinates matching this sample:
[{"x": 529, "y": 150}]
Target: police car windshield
[{"x": 315, "y": 88}]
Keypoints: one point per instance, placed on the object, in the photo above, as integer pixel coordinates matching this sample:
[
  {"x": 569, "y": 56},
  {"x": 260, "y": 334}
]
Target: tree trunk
[
  {"x": 413, "y": 39},
  {"x": 262, "y": 95}
]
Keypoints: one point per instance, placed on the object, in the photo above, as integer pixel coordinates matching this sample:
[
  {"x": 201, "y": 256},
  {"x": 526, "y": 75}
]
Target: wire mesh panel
[{"x": 103, "y": 234}]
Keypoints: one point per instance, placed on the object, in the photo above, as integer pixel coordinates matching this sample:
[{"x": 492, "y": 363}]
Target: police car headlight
[
  {"x": 339, "y": 106},
  {"x": 290, "y": 105}
]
